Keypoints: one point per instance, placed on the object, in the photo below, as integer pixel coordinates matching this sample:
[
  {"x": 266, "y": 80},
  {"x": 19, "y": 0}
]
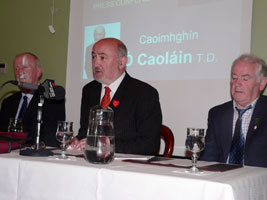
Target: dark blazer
[
  {"x": 53, "y": 111},
  {"x": 219, "y": 134},
  {"x": 137, "y": 117}
]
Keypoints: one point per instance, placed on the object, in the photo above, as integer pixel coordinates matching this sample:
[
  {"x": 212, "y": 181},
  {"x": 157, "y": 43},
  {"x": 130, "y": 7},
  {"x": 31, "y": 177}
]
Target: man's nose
[
  {"x": 95, "y": 61},
  {"x": 238, "y": 81},
  {"x": 20, "y": 70}
]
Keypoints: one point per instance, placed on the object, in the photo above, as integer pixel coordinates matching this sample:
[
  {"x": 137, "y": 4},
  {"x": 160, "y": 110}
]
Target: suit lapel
[
  {"x": 96, "y": 96},
  {"x": 15, "y": 108},
  {"x": 12, "y": 110},
  {"x": 258, "y": 117},
  {"x": 120, "y": 93},
  {"x": 32, "y": 108},
  {"x": 34, "y": 102},
  {"x": 228, "y": 128}
]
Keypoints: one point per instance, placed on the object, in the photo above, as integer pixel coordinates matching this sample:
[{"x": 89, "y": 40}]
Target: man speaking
[{"x": 137, "y": 112}]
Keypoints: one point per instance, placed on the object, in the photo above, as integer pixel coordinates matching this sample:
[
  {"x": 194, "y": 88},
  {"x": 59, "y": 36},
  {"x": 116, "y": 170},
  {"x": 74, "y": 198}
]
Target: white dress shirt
[{"x": 113, "y": 87}]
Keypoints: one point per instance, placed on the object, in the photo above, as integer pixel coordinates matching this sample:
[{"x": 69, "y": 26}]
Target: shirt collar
[
  {"x": 29, "y": 95},
  {"x": 114, "y": 86},
  {"x": 252, "y": 104}
]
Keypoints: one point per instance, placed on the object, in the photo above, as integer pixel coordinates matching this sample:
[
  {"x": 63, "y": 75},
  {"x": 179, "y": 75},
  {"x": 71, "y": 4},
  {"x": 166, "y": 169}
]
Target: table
[{"x": 39, "y": 178}]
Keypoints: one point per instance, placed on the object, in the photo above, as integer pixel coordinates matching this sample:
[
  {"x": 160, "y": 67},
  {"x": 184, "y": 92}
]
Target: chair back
[{"x": 168, "y": 138}]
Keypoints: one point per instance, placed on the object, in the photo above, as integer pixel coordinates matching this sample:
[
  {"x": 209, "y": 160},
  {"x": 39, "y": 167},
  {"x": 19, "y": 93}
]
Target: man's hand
[
  {"x": 77, "y": 144},
  {"x": 81, "y": 145}
]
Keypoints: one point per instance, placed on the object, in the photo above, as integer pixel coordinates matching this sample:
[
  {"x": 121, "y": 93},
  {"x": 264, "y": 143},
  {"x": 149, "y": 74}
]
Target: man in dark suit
[
  {"x": 248, "y": 80},
  {"x": 137, "y": 112},
  {"x": 28, "y": 70}
]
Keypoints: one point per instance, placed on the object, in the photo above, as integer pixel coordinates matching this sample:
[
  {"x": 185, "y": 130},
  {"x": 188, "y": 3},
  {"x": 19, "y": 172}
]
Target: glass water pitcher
[{"x": 100, "y": 141}]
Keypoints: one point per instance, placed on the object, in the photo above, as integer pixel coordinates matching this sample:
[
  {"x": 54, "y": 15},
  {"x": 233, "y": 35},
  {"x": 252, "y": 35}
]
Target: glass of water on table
[
  {"x": 64, "y": 135},
  {"x": 195, "y": 142}
]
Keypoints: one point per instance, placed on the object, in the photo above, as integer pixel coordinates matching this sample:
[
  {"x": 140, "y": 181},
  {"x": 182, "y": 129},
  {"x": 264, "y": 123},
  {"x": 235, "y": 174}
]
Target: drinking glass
[
  {"x": 15, "y": 125},
  {"x": 64, "y": 135},
  {"x": 195, "y": 142}
]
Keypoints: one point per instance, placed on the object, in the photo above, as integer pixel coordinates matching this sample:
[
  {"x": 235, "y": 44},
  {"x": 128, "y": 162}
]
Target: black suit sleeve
[
  {"x": 84, "y": 119},
  {"x": 4, "y": 120},
  {"x": 211, "y": 151},
  {"x": 8, "y": 109},
  {"x": 53, "y": 112},
  {"x": 90, "y": 98},
  {"x": 219, "y": 133}
]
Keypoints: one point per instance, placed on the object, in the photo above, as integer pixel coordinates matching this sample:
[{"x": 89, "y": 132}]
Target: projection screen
[{"x": 183, "y": 48}]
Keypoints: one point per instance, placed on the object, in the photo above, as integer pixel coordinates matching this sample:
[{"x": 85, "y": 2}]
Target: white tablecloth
[{"x": 30, "y": 178}]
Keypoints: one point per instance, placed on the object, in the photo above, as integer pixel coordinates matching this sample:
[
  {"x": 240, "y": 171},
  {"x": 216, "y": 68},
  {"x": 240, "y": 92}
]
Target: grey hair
[
  {"x": 122, "y": 49},
  {"x": 249, "y": 58}
]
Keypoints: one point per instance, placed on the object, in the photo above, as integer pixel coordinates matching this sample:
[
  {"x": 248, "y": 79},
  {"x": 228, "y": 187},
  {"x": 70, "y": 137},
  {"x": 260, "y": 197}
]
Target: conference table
[{"x": 127, "y": 177}]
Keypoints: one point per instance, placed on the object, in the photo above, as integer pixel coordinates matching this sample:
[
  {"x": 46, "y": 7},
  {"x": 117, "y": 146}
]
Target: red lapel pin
[{"x": 115, "y": 103}]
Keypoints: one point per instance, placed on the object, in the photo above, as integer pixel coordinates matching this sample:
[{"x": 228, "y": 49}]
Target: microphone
[
  {"x": 48, "y": 88},
  {"x": 52, "y": 91},
  {"x": 59, "y": 92},
  {"x": 26, "y": 85}
]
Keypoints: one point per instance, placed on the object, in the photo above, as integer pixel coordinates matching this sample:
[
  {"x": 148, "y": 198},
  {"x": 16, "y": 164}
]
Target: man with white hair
[
  {"x": 237, "y": 130},
  {"x": 24, "y": 104}
]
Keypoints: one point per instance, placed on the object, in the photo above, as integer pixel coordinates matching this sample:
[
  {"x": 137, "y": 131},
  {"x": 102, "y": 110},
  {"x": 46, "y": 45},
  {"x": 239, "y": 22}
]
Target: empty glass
[{"x": 15, "y": 125}]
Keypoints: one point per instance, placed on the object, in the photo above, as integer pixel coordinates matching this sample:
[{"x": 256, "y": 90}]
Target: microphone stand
[
  {"x": 39, "y": 121},
  {"x": 37, "y": 152}
]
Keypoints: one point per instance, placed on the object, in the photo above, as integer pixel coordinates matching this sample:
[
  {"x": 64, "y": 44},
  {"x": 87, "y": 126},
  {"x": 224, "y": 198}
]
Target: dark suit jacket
[
  {"x": 137, "y": 117},
  {"x": 53, "y": 111},
  {"x": 219, "y": 134}
]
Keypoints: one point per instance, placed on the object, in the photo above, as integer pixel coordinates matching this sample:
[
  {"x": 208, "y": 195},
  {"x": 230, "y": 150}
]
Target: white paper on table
[{"x": 131, "y": 157}]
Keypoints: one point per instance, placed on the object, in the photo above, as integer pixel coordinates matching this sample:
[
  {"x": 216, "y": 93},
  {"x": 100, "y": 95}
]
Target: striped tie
[{"x": 238, "y": 142}]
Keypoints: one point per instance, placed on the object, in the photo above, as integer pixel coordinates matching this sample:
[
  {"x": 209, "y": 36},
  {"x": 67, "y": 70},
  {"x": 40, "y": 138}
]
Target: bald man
[
  {"x": 27, "y": 69},
  {"x": 136, "y": 106}
]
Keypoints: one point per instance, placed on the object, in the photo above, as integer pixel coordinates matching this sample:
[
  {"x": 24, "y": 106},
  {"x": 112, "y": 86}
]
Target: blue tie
[
  {"x": 23, "y": 107},
  {"x": 238, "y": 142}
]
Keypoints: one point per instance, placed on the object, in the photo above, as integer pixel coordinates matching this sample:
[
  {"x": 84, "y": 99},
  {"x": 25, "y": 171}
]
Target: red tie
[{"x": 106, "y": 99}]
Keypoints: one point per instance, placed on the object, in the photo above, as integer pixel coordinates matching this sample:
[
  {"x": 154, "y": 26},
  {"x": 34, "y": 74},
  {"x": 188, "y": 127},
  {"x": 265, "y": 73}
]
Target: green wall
[
  {"x": 24, "y": 27},
  {"x": 259, "y": 29}
]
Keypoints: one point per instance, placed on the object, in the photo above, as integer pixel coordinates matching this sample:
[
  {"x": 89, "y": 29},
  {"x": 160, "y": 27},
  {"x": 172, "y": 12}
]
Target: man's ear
[
  {"x": 39, "y": 72},
  {"x": 123, "y": 62},
  {"x": 263, "y": 83}
]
